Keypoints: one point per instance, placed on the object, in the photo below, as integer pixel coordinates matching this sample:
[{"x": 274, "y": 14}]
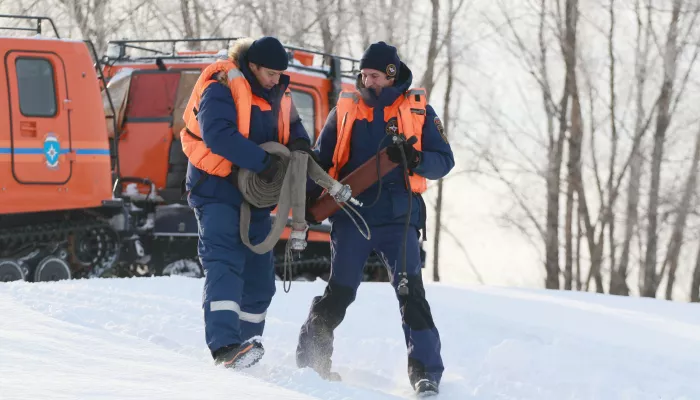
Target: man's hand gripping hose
[{"x": 288, "y": 191}]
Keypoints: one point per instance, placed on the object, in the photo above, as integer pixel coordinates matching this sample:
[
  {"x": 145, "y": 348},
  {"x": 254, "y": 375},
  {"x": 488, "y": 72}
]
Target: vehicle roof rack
[
  {"x": 39, "y": 20},
  {"x": 166, "y": 49}
]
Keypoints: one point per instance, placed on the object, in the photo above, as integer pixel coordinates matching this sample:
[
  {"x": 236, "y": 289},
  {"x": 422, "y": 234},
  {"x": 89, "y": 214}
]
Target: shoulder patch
[{"x": 440, "y": 128}]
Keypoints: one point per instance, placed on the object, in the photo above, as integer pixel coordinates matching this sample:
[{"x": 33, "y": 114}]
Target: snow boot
[
  {"x": 330, "y": 376},
  {"x": 240, "y": 356},
  {"x": 425, "y": 388}
]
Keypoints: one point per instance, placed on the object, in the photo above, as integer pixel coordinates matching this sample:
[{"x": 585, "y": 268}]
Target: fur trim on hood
[{"x": 239, "y": 47}]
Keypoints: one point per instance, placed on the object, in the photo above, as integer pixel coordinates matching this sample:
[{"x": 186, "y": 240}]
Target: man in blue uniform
[
  {"x": 222, "y": 135},
  {"x": 363, "y": 122}
]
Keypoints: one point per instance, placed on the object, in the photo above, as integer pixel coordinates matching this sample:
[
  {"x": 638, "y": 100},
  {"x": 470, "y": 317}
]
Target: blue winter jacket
[
  {"x": 217, "y": 119},
  {"x": 392, "y": 205}
]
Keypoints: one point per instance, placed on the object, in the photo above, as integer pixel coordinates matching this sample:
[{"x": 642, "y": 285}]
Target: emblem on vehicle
[{"x": 52, "y": 149}]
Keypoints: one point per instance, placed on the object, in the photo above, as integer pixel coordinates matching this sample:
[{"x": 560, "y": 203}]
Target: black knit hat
[
  {"x": 382, "y": 57},
  {"x": 268, "y": 52}
]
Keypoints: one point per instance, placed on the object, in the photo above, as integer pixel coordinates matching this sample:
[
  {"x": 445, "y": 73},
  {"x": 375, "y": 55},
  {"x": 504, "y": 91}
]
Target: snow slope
[{"x": 143, "y": 339}]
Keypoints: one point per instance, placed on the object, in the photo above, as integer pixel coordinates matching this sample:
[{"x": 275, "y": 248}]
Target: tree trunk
[
  {"x": 676, "y": 242},
  {"x": 325, "y": 25},
  {"x": 436, "y": 234},
  {"x": 618, "y": 281},
  {"x": 612, "y": 192},
  {"x": 695, "y": 285},
  {"x": 568, "y": 222},
  {"x": 188, "y": 23},
  {"x": 662, "y": 121},
  {"x": 447, "y": 124},
  {"x": 428, "y": 80},
  {"x": 82, "y": 12},
  {"x": 575, "y": 139},
  {"x": 552, "y": 233},
  {"x": 428, "y": 83},
  {"x": 579, "y": 237},
  {"x": 555, "y": 158}
]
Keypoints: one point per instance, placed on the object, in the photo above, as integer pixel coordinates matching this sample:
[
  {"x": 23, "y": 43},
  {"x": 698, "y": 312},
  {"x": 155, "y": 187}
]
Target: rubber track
[{"x": 42, "y": 232}]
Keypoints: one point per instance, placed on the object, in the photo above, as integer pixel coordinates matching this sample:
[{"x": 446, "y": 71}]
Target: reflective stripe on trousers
[{"x": 229, "y": 305}]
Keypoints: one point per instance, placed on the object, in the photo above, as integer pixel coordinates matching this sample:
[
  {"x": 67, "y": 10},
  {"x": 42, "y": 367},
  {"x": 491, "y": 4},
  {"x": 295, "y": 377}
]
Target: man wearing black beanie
[
  {"x": 383, "y": 111},
  {"x": 237, "y": 103},
  {"x": 380, "y": 60}
]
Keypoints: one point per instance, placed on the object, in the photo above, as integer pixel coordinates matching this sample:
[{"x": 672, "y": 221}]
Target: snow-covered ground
[{"x": 143, "y": 339}]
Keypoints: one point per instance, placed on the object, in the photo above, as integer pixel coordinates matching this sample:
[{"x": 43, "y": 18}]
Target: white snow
[{"x": 143, "y": 338}]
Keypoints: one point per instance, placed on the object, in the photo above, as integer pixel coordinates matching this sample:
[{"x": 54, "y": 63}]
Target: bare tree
[
  {"x": 621, "y": 131},
  {"x": 579, "y": 237},
  {"x": 568, "y": 47},
  {"x": 301, "y": 24},
  {"x": 428, "y": 80},
  {"x": 90, "y": 18},
  {"x": 695, "y": 285},
  {"x": 676, "y": 241},
  {"x": 612, "y": 198},
  {"x": 448, "y": 123},
  {"x": 568, "y": 235},
  {"x": 191, "y": 22},
  {"x": 537, "y": 63},
  {"x": 663, "y": 118},
  {"x": 270, "y": 16},
  {"x": 618, "y": 280},
  {"x": 556, "y": 150},
  {"x": 324, "y": 13}
]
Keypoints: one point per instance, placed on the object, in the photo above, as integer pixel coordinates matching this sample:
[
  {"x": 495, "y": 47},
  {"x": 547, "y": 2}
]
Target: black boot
[
  {"x": 239, "y": 356},
  {"x": 315, "y": 346},
  {"x": 426, "y": 387}
]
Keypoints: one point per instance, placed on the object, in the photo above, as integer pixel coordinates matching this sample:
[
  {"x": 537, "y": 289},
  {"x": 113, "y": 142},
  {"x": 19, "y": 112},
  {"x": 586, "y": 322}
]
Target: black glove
[
  {"x": 274, "y": 164},
  {"x": 308, "y": 217},
  {"x": 303, "y": 145},
  {"x": 413, "y": 156},
  {"x": 312, "y": 197}
]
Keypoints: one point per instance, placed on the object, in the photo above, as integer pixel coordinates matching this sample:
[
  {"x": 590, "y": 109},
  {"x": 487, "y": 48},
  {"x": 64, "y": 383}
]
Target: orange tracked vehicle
[{"x": 55, "y": 173}]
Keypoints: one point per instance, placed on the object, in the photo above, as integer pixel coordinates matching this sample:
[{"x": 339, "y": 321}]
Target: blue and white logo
[{"x": 52, "y": 149}]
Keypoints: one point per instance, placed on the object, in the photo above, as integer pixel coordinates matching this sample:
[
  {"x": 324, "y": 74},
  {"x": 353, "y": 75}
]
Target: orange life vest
[
  {"x": 192, "y": 144},
  {"x": 409, "y": 112}
]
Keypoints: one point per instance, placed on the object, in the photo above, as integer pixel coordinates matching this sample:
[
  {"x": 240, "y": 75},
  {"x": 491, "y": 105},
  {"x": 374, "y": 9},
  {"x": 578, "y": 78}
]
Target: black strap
[{"x": 192, "y": 135}]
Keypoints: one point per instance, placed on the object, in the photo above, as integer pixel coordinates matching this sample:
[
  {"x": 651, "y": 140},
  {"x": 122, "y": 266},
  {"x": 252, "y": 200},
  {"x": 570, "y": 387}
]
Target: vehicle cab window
[
  {"x": 37, "y": 89},
  {"x": 304, "y": 103}
]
